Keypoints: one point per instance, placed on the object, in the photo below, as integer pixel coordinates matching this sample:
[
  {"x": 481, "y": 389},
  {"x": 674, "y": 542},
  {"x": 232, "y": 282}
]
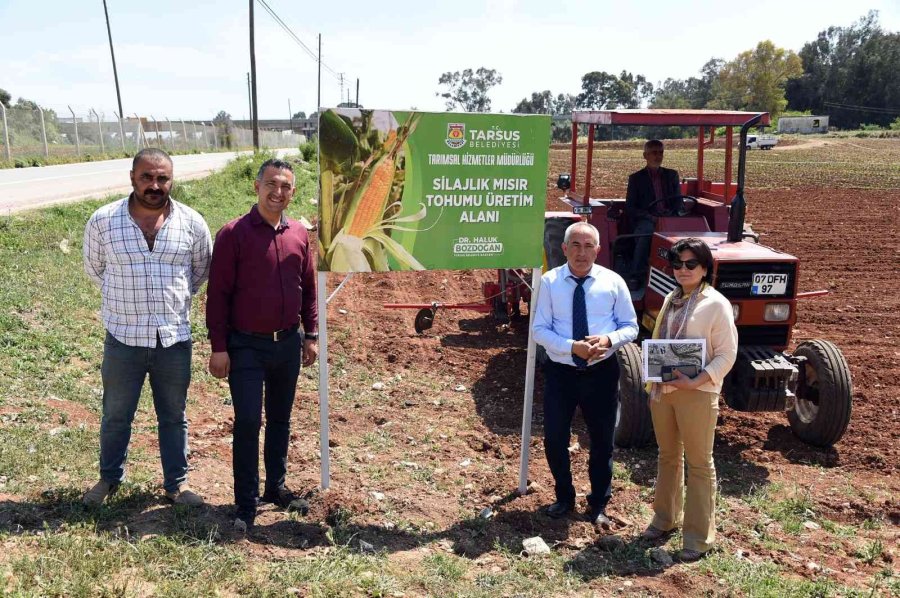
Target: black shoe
[
  {"x": 286, "y": 499},
  {"x": 559, "y": 509},
  {"x": 243, "y": 521},
  {"x": 600, "y": 520}
]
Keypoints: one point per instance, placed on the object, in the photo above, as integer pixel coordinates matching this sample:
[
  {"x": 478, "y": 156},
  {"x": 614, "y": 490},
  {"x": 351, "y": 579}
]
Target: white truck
[{"x": 764, "y": 142}]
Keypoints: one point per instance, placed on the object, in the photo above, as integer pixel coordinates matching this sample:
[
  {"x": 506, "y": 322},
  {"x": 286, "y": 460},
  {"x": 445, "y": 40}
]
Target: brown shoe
[
  {"x": 185, "y": 496},
  {"x": 96, "y": 495},
  {"x": 654, "y": 533}
]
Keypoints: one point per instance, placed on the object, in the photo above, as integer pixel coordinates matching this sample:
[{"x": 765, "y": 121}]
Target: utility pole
[
  {"x": 249, "y": 100},
  {"x": 357, "y": 92},
  {"x": 291, "y": 115},
  {"x": 341, "y": 75},
  {"x": 113, "y": 54},
  {"x": 319, "y": 87},
  {"x": 254, "y": 116}
]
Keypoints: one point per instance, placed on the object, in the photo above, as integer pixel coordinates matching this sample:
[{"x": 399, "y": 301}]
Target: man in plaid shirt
[{"x": 149, "y": 255}]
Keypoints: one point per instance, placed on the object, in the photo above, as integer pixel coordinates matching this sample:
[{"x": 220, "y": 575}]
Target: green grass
[
  {"x": 790, "y": 511},
  {"x": 80, "y": 561},
  {"x": 36, "y": 157},
  {"x": 766, "y": 580}
]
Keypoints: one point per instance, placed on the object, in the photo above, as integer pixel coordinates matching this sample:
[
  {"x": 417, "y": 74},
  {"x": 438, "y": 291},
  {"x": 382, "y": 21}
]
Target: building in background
[{"x": 803, "y": 124}]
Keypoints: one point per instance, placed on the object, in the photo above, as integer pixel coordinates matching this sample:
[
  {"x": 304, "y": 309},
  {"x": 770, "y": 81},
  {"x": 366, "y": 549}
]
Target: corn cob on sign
[{"x": 431, "y": 191}]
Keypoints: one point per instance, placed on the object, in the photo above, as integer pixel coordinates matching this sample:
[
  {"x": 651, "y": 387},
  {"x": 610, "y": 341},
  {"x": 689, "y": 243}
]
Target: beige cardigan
[{"x": 713, "y": 320}]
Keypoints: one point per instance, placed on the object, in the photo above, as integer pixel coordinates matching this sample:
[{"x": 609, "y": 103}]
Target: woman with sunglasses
[{"x": 685, "y": 410}]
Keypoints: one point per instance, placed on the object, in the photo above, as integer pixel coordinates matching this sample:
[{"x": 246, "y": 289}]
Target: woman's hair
[{"x": 699, "y": 249}]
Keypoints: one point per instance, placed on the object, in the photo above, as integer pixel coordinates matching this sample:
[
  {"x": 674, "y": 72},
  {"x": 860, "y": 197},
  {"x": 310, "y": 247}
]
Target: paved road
[{"x": 26, "y": 188}]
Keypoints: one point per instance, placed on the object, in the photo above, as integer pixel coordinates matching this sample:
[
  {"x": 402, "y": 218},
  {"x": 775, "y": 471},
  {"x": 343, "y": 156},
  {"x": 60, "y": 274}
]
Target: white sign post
[
  {"x": 322, "y": 302},
  {"x": 529, "y": 385}
]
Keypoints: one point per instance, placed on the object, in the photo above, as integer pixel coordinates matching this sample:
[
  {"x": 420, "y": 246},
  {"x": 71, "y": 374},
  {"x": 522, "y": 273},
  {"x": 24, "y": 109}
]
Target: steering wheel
[{"x": 676, "y": 205}]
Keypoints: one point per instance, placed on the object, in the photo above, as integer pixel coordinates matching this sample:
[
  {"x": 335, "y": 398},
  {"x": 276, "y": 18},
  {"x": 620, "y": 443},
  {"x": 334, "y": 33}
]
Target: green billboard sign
[{"x": 431, "y": 191}]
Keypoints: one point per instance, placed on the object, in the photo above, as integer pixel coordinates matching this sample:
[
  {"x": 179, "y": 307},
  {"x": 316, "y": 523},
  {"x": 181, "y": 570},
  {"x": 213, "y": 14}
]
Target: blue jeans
[
  {"x": 595, "y": 390},
  {"x": 258, "y": 363},
  {"x": 124, "y": 370}
]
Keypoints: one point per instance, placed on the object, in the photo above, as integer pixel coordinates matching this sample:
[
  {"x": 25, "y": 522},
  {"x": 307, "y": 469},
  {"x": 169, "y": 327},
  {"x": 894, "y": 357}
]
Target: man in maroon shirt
[
  {"x": 645, "y": 201},
  {"x": 262, "y": 286}
]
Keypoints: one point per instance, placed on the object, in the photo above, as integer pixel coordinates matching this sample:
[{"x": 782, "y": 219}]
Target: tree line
[{"x": 848, "y": 73}]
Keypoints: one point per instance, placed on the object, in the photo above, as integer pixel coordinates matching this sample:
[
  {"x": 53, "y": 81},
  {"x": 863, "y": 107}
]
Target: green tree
[
  {"x": 469, "y": 89},
  {"x": 693, "y": 92},
  {"x": 5, "y": 97},
  {"x": 599, "y": 90},
  {"x": 300, "y": 114},
  {"x": 564, "y": 104},
  {"x": 224, "y": 128},
  {"x": 755, "y": 79},
  {"x": 602, "y": 90},
  {"x": 850, "y": 73},
  {"x": 541, "y": 102},
  {"x": 24, "y": 119}
]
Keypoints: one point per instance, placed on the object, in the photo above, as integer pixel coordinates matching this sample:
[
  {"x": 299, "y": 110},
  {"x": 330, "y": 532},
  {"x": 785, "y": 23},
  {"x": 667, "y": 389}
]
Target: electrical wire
[
  {"x": 858, "y": 108},
  {"x": 293, "y": 36}
]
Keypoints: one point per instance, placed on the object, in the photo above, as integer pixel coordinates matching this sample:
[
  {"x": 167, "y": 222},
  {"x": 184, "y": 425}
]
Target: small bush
[{"x": 309, "y": 150}]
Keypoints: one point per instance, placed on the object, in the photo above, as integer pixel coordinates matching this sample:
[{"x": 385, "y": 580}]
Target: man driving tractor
[{"x": 645, "y": 200}]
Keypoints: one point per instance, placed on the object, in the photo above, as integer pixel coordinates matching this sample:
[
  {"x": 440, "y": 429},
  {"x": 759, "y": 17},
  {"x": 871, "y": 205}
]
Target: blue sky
[{"x": 182, "y": 59}]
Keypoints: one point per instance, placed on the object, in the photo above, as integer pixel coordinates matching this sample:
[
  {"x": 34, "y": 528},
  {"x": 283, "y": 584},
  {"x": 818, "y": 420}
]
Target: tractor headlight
[
  {"x": 564, "y": 182},
  {"x": 736, "y": 311},
  {"x": 777, "y": 312}
]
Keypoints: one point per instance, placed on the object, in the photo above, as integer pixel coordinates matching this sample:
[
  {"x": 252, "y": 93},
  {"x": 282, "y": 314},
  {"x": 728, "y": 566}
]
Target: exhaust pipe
[{"x": 739, "y": 205}]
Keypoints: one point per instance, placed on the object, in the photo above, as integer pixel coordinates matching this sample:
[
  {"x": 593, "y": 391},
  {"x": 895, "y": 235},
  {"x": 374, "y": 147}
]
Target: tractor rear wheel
[
  {"x": 633, "y": 424},
  {"x": 822, "y": 408}
]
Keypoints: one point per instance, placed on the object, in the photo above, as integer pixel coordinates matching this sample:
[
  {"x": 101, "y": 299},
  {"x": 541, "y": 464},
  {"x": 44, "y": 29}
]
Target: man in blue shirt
[{"x": 583, "y": 315}]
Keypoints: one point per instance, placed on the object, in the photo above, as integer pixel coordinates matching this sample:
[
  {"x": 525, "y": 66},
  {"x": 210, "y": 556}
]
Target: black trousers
[
  {"x": 258, "y": 363},
  {"x": 595, "y": 390}
]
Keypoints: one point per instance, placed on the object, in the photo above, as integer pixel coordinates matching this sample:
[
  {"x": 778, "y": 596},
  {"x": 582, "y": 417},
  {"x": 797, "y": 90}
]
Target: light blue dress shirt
[{"x": 609, "y": 311}]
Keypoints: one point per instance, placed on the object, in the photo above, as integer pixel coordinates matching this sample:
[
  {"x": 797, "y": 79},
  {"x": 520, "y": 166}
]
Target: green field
[{"x": 51, "y": 343}]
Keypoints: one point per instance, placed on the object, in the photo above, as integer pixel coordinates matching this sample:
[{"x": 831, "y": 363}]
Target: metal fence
[{"x": 31, "y": 132}]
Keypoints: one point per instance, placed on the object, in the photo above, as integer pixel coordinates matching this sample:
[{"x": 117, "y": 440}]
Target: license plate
[{"x": 769, "y": 284}]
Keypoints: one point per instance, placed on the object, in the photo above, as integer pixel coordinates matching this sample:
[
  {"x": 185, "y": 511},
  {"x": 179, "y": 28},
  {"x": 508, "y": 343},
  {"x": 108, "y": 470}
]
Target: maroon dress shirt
[{"x": 262, "y": 279}]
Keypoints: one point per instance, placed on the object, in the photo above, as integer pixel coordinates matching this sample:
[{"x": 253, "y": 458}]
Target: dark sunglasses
[{"x": 689, "y": 264}]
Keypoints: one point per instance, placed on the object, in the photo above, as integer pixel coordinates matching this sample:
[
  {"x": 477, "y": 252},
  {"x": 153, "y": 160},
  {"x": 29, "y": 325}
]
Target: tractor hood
[{"x": 741, "y": 251}]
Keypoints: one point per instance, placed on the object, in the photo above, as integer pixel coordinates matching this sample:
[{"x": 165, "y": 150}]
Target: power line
[
  {"x": 293, "y": 36},
  {"x": 858, "y": 108}
]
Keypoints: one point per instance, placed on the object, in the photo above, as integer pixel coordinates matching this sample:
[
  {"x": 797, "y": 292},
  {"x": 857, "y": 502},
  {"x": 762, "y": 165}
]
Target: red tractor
[{"x": 813, "y": 383}]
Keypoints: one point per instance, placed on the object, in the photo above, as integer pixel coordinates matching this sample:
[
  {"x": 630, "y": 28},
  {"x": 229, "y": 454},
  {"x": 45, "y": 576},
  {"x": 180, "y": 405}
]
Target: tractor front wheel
[
  {"x": 633, "y": 424},
  {"x": 824, "y": 400}
]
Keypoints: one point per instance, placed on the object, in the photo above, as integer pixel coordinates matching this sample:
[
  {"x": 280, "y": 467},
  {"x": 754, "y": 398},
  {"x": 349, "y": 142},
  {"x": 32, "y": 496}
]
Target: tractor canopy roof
[{"x": 668, "y": 118}]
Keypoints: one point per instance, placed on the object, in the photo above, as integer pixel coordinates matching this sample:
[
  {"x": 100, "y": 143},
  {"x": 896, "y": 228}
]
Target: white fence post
[
  {"x": 171, "y": 135},
  {"x": 75, "y": 124},
  {"x": 99, "y": 128},
  {"x": 184, "y": 132},
  {"x": 156, "y": 126},
  {"x": 121, "y": 131}
]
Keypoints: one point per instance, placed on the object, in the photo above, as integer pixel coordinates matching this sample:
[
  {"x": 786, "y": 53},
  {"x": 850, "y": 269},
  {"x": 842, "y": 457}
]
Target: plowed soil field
[
  {"x": 418, "y": 460},
  {"x": 425, "y": 430}
]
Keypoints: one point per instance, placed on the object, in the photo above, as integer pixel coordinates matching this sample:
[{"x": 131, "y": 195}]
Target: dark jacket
[{"x": 640, "y": 192}]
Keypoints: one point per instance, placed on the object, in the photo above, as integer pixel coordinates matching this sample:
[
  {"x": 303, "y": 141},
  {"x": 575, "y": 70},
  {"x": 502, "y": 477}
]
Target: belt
[
  {"x": 278, "y": 335},
  {"x": 583, "y": 370}
]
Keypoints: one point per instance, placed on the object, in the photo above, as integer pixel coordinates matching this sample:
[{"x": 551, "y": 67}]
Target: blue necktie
[{"x": 579, "y": 318}]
